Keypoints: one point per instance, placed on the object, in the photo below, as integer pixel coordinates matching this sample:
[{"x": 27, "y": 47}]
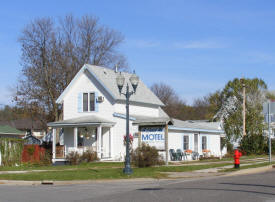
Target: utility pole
[
  {"x": 269, "y": 135},
  {"x": 243, "y": 85}
]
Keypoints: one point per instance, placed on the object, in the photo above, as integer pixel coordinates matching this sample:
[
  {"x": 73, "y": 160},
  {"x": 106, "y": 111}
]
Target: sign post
[
  {"x": 269, "y": 110},
  {"x": 268, "y": 120}
]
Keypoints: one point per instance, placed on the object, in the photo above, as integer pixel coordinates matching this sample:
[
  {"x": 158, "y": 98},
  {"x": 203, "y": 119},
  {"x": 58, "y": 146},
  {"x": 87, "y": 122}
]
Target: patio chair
[
  {"x": 179, "y": 154},
  {"x": 184, "y": 156},
  {"x": 173, "y": 155},
  {"x": 195, "y": 155}
]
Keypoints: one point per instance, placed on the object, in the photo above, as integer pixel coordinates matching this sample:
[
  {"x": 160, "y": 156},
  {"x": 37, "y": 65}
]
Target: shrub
[
  {"x": 89, "y": 156},
  {"x": 46, "y": 158},
  {"x": 11, "y": 151},
  {"x": 73, "y": 158},
  {"x": 253, "y": 144},
  {"x": 31, "y": 150},
  {"x": 146, "y": 156}
]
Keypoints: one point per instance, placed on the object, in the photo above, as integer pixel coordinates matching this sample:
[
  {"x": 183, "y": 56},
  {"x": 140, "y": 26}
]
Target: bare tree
[
  {"x": 173, "y": 104},
  {"x": 53, "y": 52}
]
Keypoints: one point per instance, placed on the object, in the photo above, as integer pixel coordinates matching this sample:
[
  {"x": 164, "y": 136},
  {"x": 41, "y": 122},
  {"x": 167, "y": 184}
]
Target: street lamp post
[{"x": 120, "y": 83}]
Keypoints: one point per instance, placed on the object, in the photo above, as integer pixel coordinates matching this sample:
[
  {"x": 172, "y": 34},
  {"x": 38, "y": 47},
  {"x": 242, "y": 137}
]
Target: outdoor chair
[
  {"x": 184, "y": 156},
  {"x": 173, "y": 155},
  {"x": 195, "y": 155},
  {"x": 179, "y": 154}
]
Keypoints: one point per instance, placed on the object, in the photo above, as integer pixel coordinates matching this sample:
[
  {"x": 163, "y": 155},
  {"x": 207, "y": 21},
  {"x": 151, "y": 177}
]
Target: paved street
[{"x": 256, "y": 187}]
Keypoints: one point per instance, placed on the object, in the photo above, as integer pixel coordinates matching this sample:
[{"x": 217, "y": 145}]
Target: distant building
[
  {"x": 28, "y": 126},
  {"x": 10, "y": 132}
]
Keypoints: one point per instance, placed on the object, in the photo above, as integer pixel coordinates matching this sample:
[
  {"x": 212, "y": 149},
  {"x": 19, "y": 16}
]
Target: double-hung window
[
  {"x": 204, "y": 142},
  {"x": 88, "y": 102},
  {"x": 185, "y": 142}
]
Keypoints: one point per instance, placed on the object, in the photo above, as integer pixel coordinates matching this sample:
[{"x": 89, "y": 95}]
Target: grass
[
  {"x": 243, "y": 159},
  {"x": 246, "y": 167},
  {"x": 65, "y": 167},
  {"x": 93, "y": 173}
]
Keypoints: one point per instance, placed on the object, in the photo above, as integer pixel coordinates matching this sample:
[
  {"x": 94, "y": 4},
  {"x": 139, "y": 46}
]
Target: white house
[{"x": 94, "y": 118}]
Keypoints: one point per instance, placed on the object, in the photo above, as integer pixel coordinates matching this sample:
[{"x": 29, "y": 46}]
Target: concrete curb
[{"x": 36, "y": 183}]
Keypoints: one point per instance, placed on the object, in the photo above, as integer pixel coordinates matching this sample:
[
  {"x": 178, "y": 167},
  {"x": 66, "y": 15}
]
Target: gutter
[{"x": 194, "y": 129}]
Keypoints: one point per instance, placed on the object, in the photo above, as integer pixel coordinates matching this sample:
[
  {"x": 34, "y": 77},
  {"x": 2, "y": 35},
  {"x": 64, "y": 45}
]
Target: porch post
[
  {"x": 99, "y": 132},
  {"x": 75, "y": 138},
  {"x": 110, "y": 142},
  {"x": 54, "y": 144},
  {"x": 166, "y": 144}
]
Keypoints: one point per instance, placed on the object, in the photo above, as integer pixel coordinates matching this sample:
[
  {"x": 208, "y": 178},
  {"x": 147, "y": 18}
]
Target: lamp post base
[{"x": 127, "y": 170}]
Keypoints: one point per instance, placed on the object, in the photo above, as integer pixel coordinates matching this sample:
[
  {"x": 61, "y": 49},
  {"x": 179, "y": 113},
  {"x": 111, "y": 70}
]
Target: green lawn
[
  {"x": 246, "y": 167},
  {"x": 65, "y": 167},
  {"x": 101, "y": 172}
]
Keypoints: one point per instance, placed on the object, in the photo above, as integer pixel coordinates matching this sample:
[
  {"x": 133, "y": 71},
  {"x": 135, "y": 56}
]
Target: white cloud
[
  {"x": 258, "y": 57},
  {"x": 198, "y": 45},
  {"x": 140, "y": 43}
]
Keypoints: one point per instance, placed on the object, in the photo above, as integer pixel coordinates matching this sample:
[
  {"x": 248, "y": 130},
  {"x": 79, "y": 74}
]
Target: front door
[{"x": 196, "y": 142}]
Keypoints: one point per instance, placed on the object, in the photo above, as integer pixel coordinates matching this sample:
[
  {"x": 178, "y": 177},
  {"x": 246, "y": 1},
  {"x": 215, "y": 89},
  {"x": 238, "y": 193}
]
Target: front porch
[{"x": 80, "y": 135}]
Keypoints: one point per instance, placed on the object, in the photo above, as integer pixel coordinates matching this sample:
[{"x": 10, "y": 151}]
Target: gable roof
[{"x": 107, "y": 79}]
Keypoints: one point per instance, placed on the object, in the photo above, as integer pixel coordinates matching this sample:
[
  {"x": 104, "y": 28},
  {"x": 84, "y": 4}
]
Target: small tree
[{"x": 231, "y": 113}]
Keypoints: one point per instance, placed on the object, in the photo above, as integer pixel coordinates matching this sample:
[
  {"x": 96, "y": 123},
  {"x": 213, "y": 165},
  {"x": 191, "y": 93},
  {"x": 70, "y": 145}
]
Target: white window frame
[
  {"x": 89, "y": 110},
  {"x": 187, "y": 142}
]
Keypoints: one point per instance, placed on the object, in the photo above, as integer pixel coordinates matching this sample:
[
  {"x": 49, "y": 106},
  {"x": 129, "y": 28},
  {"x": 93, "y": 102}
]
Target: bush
[
  {"x": 253, "y": 144},
  {"x": 75, "y": 158},
  {"x": 146, "y": 156},
  {"x": 89, "y": 156},
  {"x": 46, "y": 158}
]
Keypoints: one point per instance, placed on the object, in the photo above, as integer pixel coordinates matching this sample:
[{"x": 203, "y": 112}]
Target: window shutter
[
  {"x": 96, "y": 103},
  {"x": 79, "y": 102}
]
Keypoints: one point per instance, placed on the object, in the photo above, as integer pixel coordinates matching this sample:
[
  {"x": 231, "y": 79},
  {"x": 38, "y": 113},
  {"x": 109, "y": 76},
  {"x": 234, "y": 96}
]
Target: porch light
[{"x": 120, "y": 79}]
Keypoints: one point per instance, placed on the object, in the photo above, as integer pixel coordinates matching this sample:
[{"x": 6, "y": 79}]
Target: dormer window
[{"x": 88, "y": 102}]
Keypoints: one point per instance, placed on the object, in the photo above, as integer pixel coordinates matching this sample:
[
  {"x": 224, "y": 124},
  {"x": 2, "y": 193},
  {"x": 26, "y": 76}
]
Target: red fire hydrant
[{"x": 237, "y": 156}]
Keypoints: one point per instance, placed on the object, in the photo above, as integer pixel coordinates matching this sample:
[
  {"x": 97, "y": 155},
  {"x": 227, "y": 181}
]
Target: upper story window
[{"x": 88, "y": 102}]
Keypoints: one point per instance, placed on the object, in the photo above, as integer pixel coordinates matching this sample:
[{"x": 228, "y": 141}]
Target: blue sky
[{"x": 194, "y": 46}]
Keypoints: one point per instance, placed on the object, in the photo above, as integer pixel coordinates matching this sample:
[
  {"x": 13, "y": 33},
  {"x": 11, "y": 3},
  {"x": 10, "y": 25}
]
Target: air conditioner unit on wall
[{"x": 100, "y": 99}]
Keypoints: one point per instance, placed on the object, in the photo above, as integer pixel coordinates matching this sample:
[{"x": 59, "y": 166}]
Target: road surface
[{"x": 255, "y": 187}]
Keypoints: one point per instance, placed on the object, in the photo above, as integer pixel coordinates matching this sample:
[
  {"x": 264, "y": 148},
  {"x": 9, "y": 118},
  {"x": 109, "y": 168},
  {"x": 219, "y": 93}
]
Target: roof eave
[
  {"x": 195, "y": 129},
  {"x": 53, "y": 124}
]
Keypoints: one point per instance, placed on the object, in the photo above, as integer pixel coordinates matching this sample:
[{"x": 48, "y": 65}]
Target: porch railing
[
  {"x": 81, "y": 149},
  {"x": 60, "y": 152}
]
